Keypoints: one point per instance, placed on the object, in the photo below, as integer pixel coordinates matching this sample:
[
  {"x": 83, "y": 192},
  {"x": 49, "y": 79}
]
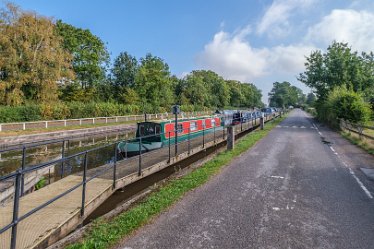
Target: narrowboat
[{"x": 152, "y": 135}]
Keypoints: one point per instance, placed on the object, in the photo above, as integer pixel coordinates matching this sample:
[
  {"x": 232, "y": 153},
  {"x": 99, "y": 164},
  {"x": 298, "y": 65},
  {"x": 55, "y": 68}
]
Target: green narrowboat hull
[{"x": 131, "y": 148}]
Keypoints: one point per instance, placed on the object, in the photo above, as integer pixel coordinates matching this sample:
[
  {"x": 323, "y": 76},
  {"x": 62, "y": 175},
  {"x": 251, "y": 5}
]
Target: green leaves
[{"x": 284, "y": 95}]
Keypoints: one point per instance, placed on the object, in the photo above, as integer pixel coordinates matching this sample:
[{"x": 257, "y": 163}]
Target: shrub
[{"x": 345, "y": 104}]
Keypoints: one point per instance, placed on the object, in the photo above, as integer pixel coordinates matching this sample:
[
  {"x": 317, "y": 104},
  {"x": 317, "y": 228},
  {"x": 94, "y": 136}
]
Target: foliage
[
  {"x": 153, "y": 82},
  {"x": 124, "y": 69},
  {"x": 20, "y": 113},
  {"x": 339, "y": 66},
  {"x": 32, "y": 60},
  {"x": 89, "y": 53},
  {"x": 41, "y": 183},
  {"x": 345, "y": 104},
  {"x": 284, "y": 95},
  {"x": 311, "y": 99}
]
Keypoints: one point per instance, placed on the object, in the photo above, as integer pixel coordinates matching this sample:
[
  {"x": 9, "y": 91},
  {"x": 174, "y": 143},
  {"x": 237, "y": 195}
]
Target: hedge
[{"x": 70, "y": 110}]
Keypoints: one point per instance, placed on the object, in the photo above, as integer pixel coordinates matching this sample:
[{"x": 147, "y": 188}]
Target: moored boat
[{"x": 152, "y": 135}]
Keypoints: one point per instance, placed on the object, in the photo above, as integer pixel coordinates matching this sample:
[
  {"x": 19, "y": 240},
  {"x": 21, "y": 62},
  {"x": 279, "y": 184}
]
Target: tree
[
  {"x": 153, "y": 82},
  {"x": 218, "y": 91},
  {"x": 236, "y": 95},
  {"x": 310, "y": 99},
  {"x": 90, "y": 56},
  {"x": 123, "y": 72},
  {"x": 339, "y": 66},
  {"x": 284, "y": 94},
  {"x": 194, "y": 89},
  {"x": 32, "y": 62}
]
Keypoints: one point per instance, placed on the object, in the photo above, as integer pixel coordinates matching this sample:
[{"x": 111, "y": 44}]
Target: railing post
[
  {"x": 84, "y": 183},
  {"x": 189, "y": 140},
  {"x": 115, "y": 165},
  {"x": 204, "y": 133},
  {"x": 62, "y": 156},
  {"x": 214, "y": 132},
  {"x": 13, "y": 240},
  {"x": 169, "y": 147},
  {"x": 140, "y": 157},
  {"x": 23, "y": 167},
  {"x": 241, "y": 124}
]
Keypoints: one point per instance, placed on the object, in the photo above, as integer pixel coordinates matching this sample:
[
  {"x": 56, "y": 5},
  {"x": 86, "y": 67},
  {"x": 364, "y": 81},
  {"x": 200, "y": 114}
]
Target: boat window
[
  {"x": 158, "y": 129},
  {"x": 180, "y": 128},
  {"x": 193, "y": 126},
  {"x": 141, "y": 130},
  {"x": 147, "y": 129}
]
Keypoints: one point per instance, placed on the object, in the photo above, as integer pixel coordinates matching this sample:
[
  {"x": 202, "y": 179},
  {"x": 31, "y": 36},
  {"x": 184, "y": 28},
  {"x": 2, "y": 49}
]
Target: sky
[{"x": 254, "y": 41}]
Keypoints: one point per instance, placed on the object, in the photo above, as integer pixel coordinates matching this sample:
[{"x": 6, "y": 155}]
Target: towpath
[{"x": 300, "y": 187}]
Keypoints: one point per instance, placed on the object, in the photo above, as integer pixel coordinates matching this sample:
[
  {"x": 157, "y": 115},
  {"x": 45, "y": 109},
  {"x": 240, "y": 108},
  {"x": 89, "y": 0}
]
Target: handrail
[{"x": 360, "y": 128}]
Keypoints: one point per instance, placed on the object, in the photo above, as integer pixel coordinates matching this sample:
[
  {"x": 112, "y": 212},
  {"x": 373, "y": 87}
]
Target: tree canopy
[
  {"x": 340, "y": 77},
  {"x": 51, "y": 63},
  {"x": 285, "y": 95},
  {"x": 32, "y": 61}
]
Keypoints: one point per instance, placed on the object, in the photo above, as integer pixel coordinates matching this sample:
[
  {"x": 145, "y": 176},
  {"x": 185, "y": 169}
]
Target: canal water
[{"x": 11, "y": 161}]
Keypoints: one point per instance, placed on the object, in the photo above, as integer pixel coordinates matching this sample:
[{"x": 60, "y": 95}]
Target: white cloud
[
  {"x": 275, "y": 21},
  {"x": 354, "y": 27},
  {"x": 233, "y": 57}
]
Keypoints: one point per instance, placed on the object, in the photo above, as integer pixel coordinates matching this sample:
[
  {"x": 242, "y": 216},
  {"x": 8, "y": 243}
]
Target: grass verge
[
  {"x": 362, "y": 143},
  {"x": 107, "y": 233}
]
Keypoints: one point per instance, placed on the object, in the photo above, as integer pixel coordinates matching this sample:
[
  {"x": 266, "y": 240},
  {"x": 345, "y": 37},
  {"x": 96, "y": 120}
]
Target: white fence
[{"x": 90, "y": 121}]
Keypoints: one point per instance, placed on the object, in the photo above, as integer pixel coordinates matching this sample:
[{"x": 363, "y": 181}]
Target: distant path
[{"x": 292, "y": 190}]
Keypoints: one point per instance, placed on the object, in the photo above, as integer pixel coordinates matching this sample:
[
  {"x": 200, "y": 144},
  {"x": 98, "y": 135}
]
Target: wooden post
[
  {"x": 262, "y": 122},
  {"x": 230, "y": 137}
]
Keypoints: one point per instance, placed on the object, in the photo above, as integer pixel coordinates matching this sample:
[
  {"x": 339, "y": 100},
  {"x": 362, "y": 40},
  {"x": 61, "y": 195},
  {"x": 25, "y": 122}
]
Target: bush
[
  {"x": 19, "y": 113},
  {"x": 345, "y": 104}
]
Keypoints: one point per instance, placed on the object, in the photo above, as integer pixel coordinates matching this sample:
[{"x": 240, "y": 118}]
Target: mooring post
[
  {"x": 262, "y": 122},
  {"x": 230, "y": 137}
]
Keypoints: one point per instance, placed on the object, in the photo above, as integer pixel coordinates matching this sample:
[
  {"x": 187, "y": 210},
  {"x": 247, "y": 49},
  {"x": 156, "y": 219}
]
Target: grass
[
  {"x": 61, "y": 128},
  {"x": 366, "y": 144},
  {"x": 105, "y": 234}
]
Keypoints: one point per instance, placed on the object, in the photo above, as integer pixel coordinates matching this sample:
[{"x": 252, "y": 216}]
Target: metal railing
[
  {"x": 361, "y": 130},
  {"x": 88, "y": 175},
  {"x": 18, "y": 126}
]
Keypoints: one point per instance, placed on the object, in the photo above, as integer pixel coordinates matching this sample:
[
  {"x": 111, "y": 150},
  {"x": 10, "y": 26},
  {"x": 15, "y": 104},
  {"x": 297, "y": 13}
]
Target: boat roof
[{"x": 163, "y": 121}]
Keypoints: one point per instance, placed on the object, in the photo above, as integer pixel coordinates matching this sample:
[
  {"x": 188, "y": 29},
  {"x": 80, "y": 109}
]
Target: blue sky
[{"x": 258, "y": 41}]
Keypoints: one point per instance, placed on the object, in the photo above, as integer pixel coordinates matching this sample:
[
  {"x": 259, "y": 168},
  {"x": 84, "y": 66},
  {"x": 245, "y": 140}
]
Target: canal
[{"x": 12, "y": 160}]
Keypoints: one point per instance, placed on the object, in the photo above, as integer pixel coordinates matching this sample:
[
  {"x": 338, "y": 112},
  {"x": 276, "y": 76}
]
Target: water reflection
[{"x": 11, "y": 161}]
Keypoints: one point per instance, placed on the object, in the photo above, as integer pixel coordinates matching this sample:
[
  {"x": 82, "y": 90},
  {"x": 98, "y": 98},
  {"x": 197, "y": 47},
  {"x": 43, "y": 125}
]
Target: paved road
[{"x": 292, "y": 190}]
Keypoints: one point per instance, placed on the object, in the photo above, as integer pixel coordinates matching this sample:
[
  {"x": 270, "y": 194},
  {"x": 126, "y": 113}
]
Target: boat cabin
[{"x": 158, "y": 131}]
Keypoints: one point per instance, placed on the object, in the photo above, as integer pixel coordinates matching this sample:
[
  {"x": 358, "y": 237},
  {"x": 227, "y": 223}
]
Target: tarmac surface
[{"x": 299, "y": 187}]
